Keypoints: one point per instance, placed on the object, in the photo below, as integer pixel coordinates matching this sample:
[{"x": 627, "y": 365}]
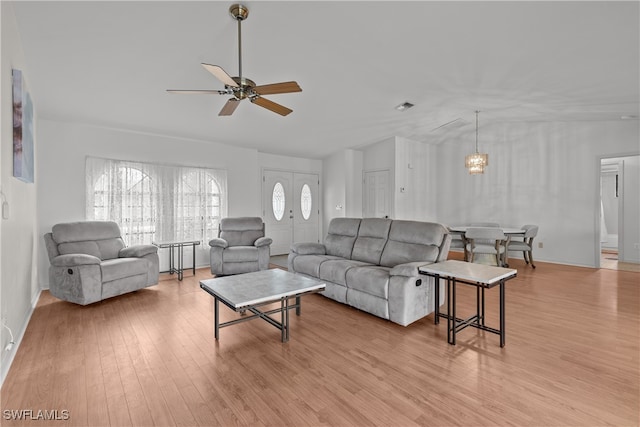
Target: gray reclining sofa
[
  {"x": 372, "y": 264},
  {"x": 89, "y": 262}
]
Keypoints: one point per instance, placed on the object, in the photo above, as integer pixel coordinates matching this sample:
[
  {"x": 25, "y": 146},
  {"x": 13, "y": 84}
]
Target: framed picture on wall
[{"x": 22, "y": 129}]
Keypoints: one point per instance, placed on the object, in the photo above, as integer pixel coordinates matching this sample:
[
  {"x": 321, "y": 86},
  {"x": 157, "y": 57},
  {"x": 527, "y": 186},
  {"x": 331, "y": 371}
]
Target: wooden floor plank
[{"x": 149, "y": 358}]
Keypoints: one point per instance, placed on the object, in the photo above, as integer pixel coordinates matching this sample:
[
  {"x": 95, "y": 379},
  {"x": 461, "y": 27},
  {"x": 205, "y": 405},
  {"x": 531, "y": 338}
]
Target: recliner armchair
[
  {"x": 240, "y": 247},
  {"x": 90, "y": 262}
]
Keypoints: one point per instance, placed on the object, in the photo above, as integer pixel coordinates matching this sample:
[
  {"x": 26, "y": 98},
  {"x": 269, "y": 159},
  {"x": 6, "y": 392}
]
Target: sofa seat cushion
[
  {"x": 373, "y": 280},
  {"x": 310, "y": 264},
  {"x": 336, "y": 270},
  {"x": 119, "y": 268},
  {"x": 240, "y": 254}
]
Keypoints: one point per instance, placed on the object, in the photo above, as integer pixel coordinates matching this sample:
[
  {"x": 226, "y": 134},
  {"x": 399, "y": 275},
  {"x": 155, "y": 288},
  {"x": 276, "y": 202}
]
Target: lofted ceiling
[{"x": 109, "y": 63}]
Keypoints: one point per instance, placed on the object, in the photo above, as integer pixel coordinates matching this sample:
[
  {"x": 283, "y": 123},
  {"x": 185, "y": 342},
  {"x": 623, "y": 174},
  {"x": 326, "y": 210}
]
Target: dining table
[{"x": 509, "y": 232}]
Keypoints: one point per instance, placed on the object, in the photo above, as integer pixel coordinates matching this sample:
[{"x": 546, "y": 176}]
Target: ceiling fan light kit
[{"x": 241, "y": 87}]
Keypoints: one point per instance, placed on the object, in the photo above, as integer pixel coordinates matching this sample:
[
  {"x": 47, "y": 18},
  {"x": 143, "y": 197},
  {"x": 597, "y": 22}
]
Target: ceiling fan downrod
[{"x": 239, "y": 12}]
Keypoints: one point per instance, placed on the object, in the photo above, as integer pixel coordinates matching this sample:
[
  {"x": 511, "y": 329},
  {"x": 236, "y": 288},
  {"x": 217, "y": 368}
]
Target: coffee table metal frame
[
  {"x": 478, "y": 275},
  {"x": 252, "y": 305},
  {"x": 179, "y": 248}
]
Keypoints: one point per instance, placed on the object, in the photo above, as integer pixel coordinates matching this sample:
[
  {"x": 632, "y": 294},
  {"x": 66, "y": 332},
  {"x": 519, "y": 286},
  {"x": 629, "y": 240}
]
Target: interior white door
[
  {"x": 277, "y": 209},
  {"x": 376, "y": 197},
  {"x": 306, "y": 207}
]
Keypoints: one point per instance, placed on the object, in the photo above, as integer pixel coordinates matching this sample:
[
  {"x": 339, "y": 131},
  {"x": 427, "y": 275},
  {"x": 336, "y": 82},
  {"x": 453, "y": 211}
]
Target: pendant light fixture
[{"x": 477, "y": 161}]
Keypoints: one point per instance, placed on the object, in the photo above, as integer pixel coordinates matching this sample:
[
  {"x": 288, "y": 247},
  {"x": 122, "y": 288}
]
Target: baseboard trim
[{"x": 7, "y": 360}]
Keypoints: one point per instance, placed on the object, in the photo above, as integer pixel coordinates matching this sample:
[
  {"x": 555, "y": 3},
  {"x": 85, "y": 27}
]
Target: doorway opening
[
  {"x": 610, "y": 176},
  {"x": 618, "y": 234}
]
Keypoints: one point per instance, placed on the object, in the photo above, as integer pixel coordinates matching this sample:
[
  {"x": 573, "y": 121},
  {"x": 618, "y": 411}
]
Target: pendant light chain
[{"x": 477, "y": 131}]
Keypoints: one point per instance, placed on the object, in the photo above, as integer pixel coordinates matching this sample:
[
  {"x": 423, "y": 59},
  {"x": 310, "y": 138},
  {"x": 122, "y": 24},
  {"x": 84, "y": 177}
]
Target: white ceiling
[{"x": 109, "y": 63}]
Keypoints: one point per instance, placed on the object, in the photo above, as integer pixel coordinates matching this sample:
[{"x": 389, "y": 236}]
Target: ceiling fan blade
[
  {"x": 229, "y": 107},
  {"x": 220, "y": 74},
  {"x": 199, "y": 92},
  {"x": 270, "y": 105},
  {"x": 284, "y": 87}
]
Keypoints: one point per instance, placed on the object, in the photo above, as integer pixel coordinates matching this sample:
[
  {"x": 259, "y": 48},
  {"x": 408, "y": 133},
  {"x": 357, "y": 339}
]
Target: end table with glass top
[{"x": 176, "y": 249}]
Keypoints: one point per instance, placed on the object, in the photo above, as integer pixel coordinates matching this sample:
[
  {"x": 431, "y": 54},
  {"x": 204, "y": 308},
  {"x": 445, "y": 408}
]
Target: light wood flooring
[
  {"x": 149, "y": 358},
  {"x": 609, "y": 260}
]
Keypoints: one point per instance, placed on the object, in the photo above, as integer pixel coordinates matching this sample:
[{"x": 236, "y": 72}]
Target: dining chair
[
  {"x": 486, "y": 240},
  {"x": 526, "y": 244},
  {"x": 485, "y": 224},
  {"x": 458, "y": 242}
]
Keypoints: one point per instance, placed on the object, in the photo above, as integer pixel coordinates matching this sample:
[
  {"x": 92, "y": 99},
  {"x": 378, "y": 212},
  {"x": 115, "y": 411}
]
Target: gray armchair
[
  {"x": 89, "y": 262},
  {"x": 240, "y": 247}
]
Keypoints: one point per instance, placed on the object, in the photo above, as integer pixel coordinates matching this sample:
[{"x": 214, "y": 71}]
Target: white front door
[
  {"x": 376, "y": 197},
  {"x": 306, "y": 210},
  {"x": 291, "y": 208},
  {"x": 277, "y": 210}
]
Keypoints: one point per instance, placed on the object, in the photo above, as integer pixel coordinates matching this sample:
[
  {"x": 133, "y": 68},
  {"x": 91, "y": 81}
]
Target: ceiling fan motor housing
[{"x": 245, "y": 88}]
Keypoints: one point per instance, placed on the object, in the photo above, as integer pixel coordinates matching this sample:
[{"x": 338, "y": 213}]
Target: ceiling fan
[{"x": 241, "y": 87}]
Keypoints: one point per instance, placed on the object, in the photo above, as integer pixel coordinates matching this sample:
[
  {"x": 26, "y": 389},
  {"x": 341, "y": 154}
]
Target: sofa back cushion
[
  {"x": 371, "y": 240},
  {"x": 341, "y": 236},
  {"x": 98, "y": 238},
  {"x": 411, "y": 241},
  {"x": 241, "y": 231}
]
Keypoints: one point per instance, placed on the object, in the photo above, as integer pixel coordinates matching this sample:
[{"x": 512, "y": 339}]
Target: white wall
[
  {"x": 538, "y": 173},
  {"x": 293, "y": 164},
  {"x": 334, "y": 195},
  {"x": 342, "y": 195},
  {"x": 381, "y": 156},
  {"x": 353, "y": 186},
  {"x": 415, "y": 181},
  {"x": 18, "y": 276}
]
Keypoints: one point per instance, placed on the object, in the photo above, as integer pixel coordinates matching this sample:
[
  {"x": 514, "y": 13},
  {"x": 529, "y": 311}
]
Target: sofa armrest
[
  {"x": 308, "y": 248},
  {"x": 137, "y": 251},
  {"x": 409, "y": 269},
  {"x": 218, "y": 243},
  {"x": 263, "y": 241},
  {"x": 74, "y": 260}
]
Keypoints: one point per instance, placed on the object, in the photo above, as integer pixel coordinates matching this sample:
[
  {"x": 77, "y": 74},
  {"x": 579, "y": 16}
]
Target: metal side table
[
  {"x": 478, "y": 275},
  {"x": 177, "y": 248}
]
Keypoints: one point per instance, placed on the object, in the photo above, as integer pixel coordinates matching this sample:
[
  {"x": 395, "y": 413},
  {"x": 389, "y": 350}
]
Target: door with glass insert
[
  {"x": 290, "y": 208},
  {"x": 277, "y": 211},
  {"x": 306, "y": 209}
]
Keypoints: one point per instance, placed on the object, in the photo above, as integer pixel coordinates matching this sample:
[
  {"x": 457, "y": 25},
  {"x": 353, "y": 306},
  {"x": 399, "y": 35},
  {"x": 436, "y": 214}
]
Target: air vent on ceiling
[{"x": 404, "y": 106}]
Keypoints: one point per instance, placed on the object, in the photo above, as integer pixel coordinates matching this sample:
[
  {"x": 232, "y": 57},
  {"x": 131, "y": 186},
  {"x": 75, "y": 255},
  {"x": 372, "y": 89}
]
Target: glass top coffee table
[{"x": 247, "y": 292}]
